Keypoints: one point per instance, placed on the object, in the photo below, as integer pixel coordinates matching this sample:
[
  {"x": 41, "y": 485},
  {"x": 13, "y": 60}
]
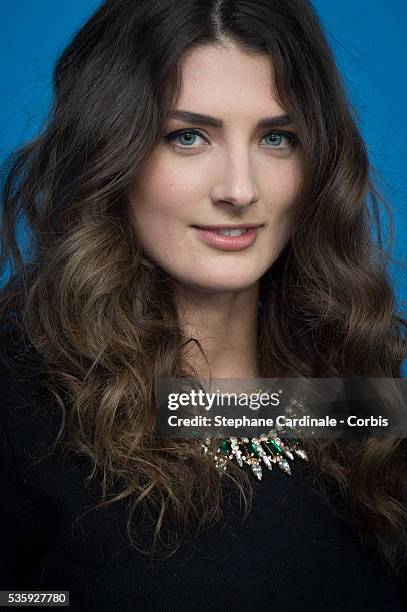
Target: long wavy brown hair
[{"x": 100, "y": 313}]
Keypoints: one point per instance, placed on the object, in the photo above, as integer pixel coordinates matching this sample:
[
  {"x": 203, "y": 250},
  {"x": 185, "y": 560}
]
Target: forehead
[{"x": 223, "y": 79}]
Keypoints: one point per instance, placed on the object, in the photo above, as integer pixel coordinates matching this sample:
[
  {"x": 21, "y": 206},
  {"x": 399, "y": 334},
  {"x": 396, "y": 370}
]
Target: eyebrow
[{"x": 200, "y": 119}]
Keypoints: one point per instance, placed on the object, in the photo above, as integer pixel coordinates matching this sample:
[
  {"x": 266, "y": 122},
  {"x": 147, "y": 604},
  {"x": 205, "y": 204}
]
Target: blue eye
[
  {"x": 277, "y": 137},
  {"x": 189, "y": 135}
]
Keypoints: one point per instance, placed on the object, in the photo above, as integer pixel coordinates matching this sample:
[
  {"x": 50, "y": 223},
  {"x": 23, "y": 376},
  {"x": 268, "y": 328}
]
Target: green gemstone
[
  {"x": 224, "y": 447},
  {"x": 252, "y": 448},
  {"x": 276, "y": 446}
]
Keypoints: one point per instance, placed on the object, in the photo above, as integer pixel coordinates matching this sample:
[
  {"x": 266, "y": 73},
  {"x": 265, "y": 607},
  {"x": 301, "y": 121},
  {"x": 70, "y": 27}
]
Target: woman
[{"x": 171, "y": 117}]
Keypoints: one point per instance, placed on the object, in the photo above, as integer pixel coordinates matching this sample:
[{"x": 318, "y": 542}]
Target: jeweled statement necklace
[{"x": 276, "y": 447}]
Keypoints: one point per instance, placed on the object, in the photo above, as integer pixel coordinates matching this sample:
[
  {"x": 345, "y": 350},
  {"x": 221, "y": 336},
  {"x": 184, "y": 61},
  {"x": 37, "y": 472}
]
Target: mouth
[
  {"x": 228, "y": 237},
  {"x": 228, "y": 230}
]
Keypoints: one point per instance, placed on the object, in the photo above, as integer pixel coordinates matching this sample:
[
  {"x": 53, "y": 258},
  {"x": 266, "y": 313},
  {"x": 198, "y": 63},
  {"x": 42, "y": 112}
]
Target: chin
[{"x": 219, "y": 284}]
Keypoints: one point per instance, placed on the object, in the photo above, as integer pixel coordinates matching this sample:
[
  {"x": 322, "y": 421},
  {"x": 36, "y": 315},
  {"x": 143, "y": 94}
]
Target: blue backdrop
[{"x": 368, "y": 39}]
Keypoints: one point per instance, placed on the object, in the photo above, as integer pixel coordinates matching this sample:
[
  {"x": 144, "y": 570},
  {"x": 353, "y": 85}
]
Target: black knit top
[{"x": 291, "y": 554}]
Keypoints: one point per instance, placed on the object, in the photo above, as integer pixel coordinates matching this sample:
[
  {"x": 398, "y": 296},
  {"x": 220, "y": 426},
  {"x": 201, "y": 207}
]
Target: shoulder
[
  {"x": 19, "y": 362},
  {"x": 29, "y": 419}
]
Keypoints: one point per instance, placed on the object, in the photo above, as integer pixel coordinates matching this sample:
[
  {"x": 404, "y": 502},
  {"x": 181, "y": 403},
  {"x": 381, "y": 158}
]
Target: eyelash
[{"x": 290, "y": 136}]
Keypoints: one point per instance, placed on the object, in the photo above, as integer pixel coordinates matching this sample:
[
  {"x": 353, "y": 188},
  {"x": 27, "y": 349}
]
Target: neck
[{"x": 225, "y": 324}]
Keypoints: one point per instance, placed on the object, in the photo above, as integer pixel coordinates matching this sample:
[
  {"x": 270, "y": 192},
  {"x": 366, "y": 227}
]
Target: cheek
[
  {"x": 163, "y": 195},
  {"x": 158, "y": 207},
  {"x": 284, "y": 187},
  {"x": 280, "y": 202}
]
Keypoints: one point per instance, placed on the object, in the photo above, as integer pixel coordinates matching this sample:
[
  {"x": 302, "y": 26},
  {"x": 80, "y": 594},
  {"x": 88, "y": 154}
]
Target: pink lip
[
  {"x": 218, "y": 227},
  {"x": 227, "y": 243}
]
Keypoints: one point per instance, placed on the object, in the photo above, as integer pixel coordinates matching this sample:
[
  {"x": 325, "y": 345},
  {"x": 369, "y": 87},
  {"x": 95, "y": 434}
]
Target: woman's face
[{"x": 234, "y": 174}]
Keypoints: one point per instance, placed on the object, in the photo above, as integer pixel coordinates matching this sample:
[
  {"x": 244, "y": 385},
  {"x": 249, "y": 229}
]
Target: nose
[{"x": 236, "y": 186}]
